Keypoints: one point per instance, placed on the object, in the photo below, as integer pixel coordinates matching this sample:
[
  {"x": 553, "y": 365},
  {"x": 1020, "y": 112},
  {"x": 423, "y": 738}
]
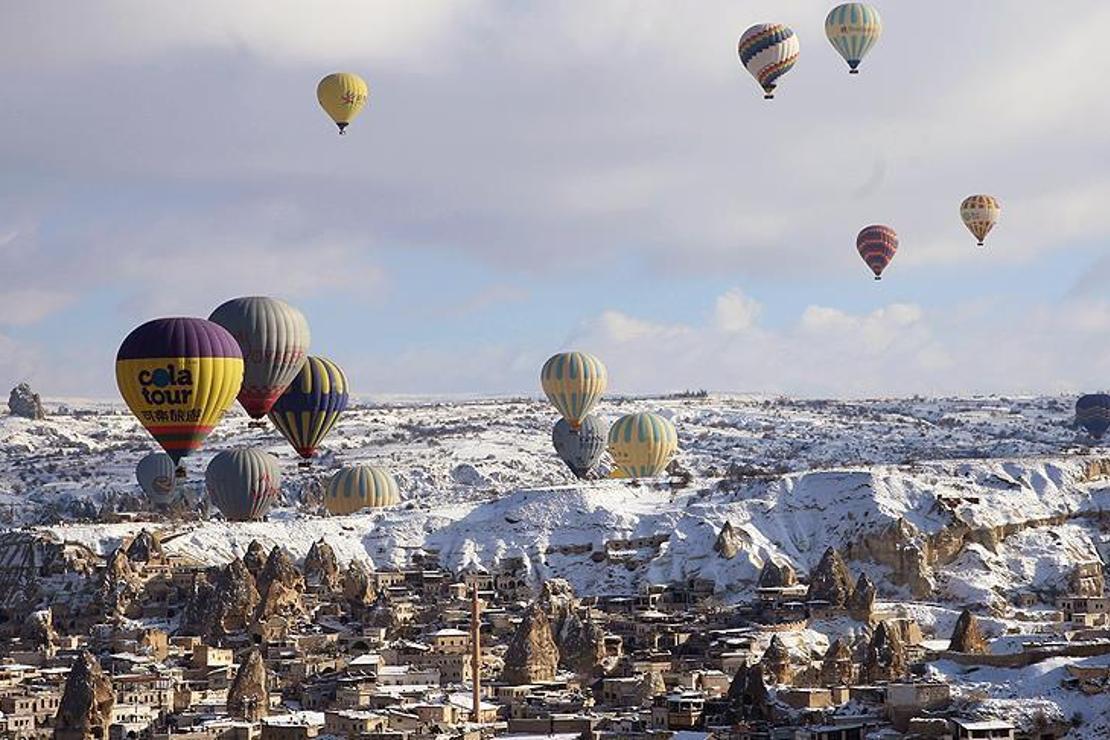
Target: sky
[{"x": 529, "y": 178}]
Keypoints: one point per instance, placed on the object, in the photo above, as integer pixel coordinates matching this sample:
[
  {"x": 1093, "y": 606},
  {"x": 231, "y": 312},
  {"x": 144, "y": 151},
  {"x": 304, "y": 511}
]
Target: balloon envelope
[
  {"x": 178, "y": 376},
  {"x": 852, "y": 29},
  {"x": 1092, "y": 412},
  {"x": 243, "y": 484},
  {"x": 273, "y": 337},
  {"x": 581, "y": 448},
  {"x": 980, "y": 213},
  {"x": 311, "y": 405},
  {"x": 359, "y": 486},
  {"x": 574, "y": 382},
  {"x": 157, "y": 476},
  {"x": 768, "y": 51},
  {"x": 643, "y": 444},
  {"x": 342, "y": 95},
  {"x": 877, "y": 245}
]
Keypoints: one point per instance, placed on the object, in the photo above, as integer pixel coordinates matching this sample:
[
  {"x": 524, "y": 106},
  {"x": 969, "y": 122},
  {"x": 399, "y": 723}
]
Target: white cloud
[{"x": 735, "y": 312}]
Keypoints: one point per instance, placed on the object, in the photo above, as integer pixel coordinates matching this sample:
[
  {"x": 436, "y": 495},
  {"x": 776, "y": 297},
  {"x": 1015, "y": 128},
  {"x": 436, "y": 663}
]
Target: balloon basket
[
  {"x": 877, "y": 277},
  {"x": 180, "y": 472},
  {"x": 853, "y": 71},
  {"x": 304, "y": 464},
  {"x": 256, "y": 424}
]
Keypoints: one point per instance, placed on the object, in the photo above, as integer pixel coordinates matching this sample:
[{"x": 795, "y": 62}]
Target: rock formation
[
  {"x": 776, "y": 662},
  {"x": 967, "y": 637},
  {"x": 747, "y": 695},
  {"x": 774, "y": 575},
  {"x": 532, "y": 654},
  {"x": 357, "y": 589},
  {"x": 279, "y": 568},
  {"x": 730, "y": 541},
  {"x": 85, "y": 710},
  {"x": 145, "y": 547},
  {"x": 24, "y": 402},
  {"x": 119, "y": 585},
  {"x": 1087, "y": 579},
  {"x": 255, "y": 558},
  {"x": 581, "y": 642},
  {"x": 830, "y": 580},
  {"x": 224, "y": 605},
  {"x": 886, "y": 655},
  {"x": 38, "y": 629},
  {"x": 249, "y": 695},
  {"x": 862, "y": 600},
  {"x": 837, "y": 668},
  {"x": 321, "y": 567}
]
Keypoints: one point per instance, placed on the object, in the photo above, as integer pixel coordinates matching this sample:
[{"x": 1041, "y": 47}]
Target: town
[{"x": 145, "y": 645}]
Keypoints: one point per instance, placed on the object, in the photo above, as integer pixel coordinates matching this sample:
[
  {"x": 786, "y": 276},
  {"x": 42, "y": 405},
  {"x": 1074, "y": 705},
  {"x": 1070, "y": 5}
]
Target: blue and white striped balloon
[{"x": 853, "y": 28}]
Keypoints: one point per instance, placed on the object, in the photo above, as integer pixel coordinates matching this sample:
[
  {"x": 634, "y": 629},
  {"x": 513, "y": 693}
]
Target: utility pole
[{"x": 476, "y": 655}]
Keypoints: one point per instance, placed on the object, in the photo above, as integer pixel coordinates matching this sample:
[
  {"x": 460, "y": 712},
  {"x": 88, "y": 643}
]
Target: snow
[{"x": 480, "y": 486}]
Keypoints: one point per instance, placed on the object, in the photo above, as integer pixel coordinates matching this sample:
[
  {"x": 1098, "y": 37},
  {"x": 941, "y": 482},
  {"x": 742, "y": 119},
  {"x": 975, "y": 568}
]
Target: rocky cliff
[
  {"x": 86, "y": 707},
  {"x": 249, "y": 695},
  {"x": 532, "y": 654}
]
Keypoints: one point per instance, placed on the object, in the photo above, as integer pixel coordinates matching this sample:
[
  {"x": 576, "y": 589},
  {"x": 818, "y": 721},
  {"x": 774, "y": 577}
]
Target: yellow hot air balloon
[
  {"x": 178, "y": 376},
  {"x": 643, "y": 444},
  {"x": 342, "y": 95},
  {"x": 980, "y": 213},
  {"x": 574, "y": 382},
  {"x": 358, "y": 487}
]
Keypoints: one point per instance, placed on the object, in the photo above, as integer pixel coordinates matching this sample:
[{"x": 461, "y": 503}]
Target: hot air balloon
[
  {"x": 877, "y": 245},
  {"x": 359, "y": 486},
  {"x": 1092, "y": 412},
  {"x": 853, "y": 28},
  {"x": 581, "y": 448},
  {"x": 574, "y": 382},
  {"x": 156, "y": 476},
  {"x": 643, "y": 444},
  {"x": 311, "y": 405},
  {"x": 342, "y": 95},
  {"x": 768, "y": 51},
  {"x": 243, "y": 484},
  {"x": 274, "y": 339},
  {"x": 178, "y": 376},
  {"x": 980, "y": 213}
]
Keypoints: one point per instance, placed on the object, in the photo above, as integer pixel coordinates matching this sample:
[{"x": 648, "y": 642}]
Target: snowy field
[
  {"x": 481, "y": 483},
  {"x": 1001, "y": 494}
]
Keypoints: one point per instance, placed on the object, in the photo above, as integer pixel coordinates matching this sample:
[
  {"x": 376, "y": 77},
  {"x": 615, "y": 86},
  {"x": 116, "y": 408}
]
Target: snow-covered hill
[{"x": 1007, "y": 478}]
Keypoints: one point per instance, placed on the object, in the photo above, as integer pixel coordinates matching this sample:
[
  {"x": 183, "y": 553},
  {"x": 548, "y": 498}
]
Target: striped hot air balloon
[
  {"x": 768, "y": 51},
  {"x": 342, "y": 95},
  {"x": 243, "y": 484},
  {"x": 178, "y": 376},
  {"x": 311, "y": 405},
  {"x": 877, "y": 245},
  {"x": 156, "y": 475},
  {"x": 574, "y": 382},
  {"x": 643, "y": 444},
  {"x": 980, "y": 213},
  {"x": 581, "y": 448},
  {"x": 852, "y": 29},
  {"x": 1092, "y": 412},
  {"x": 358, "y": 487},
  {"x": 274, "y": 339}
]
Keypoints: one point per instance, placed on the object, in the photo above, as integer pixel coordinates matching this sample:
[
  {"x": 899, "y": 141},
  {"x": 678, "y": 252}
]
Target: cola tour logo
[{"x": 169, "y": 385}]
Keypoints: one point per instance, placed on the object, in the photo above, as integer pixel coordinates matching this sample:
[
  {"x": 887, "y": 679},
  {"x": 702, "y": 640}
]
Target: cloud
[
  {"x": 735, "y": 312},
  {"x": 898, "y": 349}
]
